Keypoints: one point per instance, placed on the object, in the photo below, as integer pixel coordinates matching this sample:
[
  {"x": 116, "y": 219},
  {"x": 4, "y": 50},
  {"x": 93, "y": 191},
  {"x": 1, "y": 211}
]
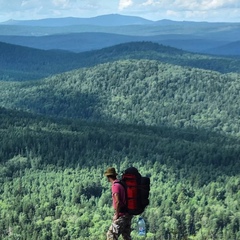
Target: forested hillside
[
  {"x": 139, "y": 92},
  {"x": 52, "y": 184},
  {"x": 21, "y": 63},
  {"x": 172, "y": 114}
]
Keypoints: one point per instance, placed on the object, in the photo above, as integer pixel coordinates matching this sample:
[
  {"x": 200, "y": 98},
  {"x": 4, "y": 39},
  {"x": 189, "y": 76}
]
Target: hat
[{"x": 110, "y": 172}]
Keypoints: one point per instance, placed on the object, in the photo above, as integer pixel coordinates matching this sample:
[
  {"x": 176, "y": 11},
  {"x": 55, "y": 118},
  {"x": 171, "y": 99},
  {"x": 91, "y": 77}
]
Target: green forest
[
  {"x": 178, "y": 124},
  {"x": 19, "y": 63},
  {"x": 142, "y": 92},
  {"x": 52, "y": 184}
]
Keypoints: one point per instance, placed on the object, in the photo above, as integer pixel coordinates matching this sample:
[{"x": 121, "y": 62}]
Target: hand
[{"x": 115, "y": 217}]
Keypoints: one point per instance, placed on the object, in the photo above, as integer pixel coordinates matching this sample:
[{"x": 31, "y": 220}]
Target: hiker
[{"x": 121, "y": 223}]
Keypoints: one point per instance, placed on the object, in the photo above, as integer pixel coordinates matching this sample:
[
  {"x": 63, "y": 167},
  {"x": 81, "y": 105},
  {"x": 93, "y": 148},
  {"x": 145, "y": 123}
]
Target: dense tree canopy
[
  {"x": 178, "y": 124},
  {"x": 19, "y": 63},
  {"x": 139, "y": 92},
  {"x": 52, "y": 184}
]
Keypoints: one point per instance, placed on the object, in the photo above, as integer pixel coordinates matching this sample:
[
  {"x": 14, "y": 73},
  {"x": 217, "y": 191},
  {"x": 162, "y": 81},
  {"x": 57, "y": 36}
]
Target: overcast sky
[{"x": 189, "y": 10}]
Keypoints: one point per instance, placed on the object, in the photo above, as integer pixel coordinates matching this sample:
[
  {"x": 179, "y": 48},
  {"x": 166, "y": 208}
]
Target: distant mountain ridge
[
  {"x": 109, "y": 20},
  {"x": 84, "y": 34},
  {"x": 232, "y": 48},
  {"x": 19, "y": 63},
  {"x": 81, "y": 42},
  {"x": 104, "y": 20}
]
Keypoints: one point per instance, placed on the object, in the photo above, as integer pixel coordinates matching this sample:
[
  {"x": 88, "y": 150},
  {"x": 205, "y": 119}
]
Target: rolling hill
[
  {"x": 139, "y": 92},
  {"x": 232, "y": 48},
  {"x": 108, "y": 30},
  {"x": 51, "y": 169},
  {"x": 23, "y": 63},
  {"x": 80, "y": 42}
]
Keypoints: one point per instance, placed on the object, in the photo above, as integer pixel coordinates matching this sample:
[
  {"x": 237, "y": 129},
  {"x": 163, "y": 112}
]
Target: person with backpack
[{"x": 121, "y": 223}]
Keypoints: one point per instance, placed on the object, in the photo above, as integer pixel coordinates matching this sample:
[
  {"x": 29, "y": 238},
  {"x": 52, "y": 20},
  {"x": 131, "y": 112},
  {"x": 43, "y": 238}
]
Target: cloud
[
  {"x": 219, "y": 10},
  {"x": 148, "y": 3},
  {"x": 61, "y": 3},
  {"x": 212, "y": 10},
  {"x": 124, "y": 4},
  {"x": 154, "y": 3},
  {"x": 10, "y": 4},
  {"x": 37, "y": 9},
  {"x": 30, "y": 4},
  {"x": 176, "y": 5}
]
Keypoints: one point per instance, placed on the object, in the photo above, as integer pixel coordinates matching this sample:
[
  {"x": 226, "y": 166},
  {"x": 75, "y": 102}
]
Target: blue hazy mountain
[
  {"x": 84, "y": 34},
  {"x": 104, "y": 20}
]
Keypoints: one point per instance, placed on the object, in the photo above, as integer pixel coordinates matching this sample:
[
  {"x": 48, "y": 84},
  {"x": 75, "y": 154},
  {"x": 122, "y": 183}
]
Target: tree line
[{"x": 18, "y": 63}]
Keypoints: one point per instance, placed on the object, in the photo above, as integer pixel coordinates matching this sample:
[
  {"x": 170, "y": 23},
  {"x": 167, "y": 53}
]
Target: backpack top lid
[
  {"x": 131, "y": 173},
  {"x": 132, "y": 170}
]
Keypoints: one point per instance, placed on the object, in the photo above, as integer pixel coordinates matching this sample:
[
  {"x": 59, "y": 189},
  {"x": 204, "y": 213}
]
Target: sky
[{"x": 179, "y": 10}]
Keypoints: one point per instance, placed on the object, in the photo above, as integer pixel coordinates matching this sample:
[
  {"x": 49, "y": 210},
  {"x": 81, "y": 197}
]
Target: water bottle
[{"x": 141, "y": 227}]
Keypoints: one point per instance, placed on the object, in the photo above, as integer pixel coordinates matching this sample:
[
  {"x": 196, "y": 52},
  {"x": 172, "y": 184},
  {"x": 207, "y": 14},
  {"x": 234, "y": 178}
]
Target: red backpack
[{"x": 137, "y": 190}]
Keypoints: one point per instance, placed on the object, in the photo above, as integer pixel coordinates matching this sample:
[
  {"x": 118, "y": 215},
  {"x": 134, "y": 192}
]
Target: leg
[
  {"x": 126, "y": 233},
  {"x": 114, "y": 230}
]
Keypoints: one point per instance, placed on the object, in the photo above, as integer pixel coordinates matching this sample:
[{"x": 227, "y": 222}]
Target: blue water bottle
[{"x": 141, "y": 227}]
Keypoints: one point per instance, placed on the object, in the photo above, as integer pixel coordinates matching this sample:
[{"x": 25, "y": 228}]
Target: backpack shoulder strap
[{"x": 121, "y": 183}]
